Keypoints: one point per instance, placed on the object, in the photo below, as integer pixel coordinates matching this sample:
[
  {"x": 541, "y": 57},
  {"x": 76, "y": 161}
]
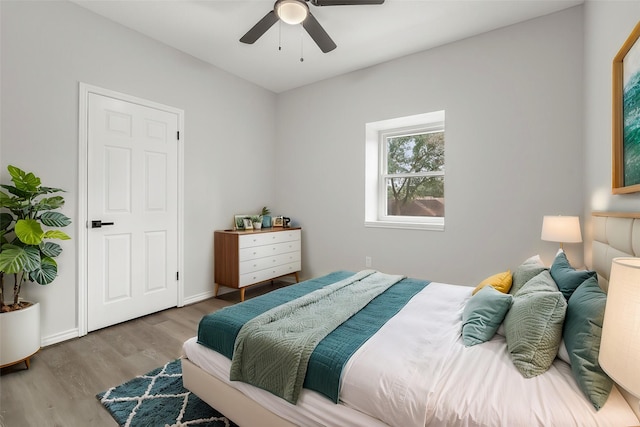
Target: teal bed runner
[
  {"x": 218, "y": 330},
  {"x": 272, "y": 350}
]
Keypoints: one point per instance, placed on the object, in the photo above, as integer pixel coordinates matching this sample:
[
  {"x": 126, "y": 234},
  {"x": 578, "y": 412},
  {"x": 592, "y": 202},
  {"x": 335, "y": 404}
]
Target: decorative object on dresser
[
  {"x": 266, "y": 217},
  {"x": 278, "y": 221},
  {"x": 256, "y": 221},
  {"x": 246, "y": 258},
  {"x": 562, "y": 229}
]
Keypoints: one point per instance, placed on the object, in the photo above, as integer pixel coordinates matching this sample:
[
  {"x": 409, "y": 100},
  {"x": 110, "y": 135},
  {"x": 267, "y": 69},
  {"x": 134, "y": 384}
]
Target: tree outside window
[{"x": 414, "y": 176}]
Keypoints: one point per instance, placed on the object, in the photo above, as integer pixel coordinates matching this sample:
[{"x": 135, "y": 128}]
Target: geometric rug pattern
[{"x": 158, "y": 399}]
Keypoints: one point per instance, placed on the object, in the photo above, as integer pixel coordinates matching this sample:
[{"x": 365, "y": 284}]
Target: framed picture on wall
[{"x": 626, "y": 117}]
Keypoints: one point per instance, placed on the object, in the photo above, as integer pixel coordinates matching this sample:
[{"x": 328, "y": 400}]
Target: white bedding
[{"x": 416, "y": 372}]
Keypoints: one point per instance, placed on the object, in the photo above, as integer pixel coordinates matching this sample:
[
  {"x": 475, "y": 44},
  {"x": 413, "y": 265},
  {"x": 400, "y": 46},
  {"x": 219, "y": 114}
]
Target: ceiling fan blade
[
  {"x": 345, "y": 2},
  {"x": 318, "y": 34},
  {"x": 260, "y": 28}
]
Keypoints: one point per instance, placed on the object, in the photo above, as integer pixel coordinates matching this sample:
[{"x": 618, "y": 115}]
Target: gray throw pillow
[
  {"x": 533, "y": 325},
  {"x": 525, "y": 272}
]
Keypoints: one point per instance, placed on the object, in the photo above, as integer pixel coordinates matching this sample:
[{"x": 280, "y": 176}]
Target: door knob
[{"x": 96, "y": 223}]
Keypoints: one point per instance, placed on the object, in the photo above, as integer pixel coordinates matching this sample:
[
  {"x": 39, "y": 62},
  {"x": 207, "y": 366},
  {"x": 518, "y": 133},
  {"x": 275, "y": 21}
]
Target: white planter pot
[{"x": 19, "y": 335}]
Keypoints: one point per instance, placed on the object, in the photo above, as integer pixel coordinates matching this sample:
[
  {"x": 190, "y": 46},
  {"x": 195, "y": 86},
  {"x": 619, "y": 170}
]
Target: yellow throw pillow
[{"x": 501, "y": 282}]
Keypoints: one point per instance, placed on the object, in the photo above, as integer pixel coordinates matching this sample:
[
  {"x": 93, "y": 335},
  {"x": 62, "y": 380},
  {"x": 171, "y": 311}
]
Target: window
[{"x": 405, "y": 172}]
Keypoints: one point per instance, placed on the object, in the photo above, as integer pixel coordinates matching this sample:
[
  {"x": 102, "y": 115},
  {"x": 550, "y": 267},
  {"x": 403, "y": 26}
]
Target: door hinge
[
  {"x": 177, "y": 275},
  {"x": 178, "y": 135}
]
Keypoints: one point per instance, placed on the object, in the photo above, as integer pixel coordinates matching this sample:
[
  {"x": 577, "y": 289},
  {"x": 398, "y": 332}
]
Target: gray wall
[
  {"x": 514, "y": 152},
  {"x": 47, "y": 48},
  {"x": 528, "y": 134},
  {"x": 606, "y": 26}
]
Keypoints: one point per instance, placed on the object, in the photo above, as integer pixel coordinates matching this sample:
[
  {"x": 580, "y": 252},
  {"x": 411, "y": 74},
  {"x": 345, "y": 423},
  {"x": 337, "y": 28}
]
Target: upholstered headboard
[{"x": 615, "y": 234}]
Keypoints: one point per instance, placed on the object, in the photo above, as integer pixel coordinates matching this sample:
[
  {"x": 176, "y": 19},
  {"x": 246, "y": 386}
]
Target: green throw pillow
[
  {"x": 483, "y": 314},
  {"x": 525, "y": 272},
  {"x": 567, "y": 277},
  {"x": 541, "y": 282},
  {"x": 582, "y": 333},
  {"x": 533, "y": 326}
]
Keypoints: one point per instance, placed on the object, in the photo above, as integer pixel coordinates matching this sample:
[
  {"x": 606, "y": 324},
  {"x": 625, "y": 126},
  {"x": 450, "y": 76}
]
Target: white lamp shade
[
  {"x": 292, "y": 11},
  {"x": 563, "y": 229},
  {"x": 620, "y": 345}
]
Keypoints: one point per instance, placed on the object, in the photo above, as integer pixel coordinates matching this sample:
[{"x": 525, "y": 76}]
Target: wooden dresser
[{"x": 245, "y": 258}]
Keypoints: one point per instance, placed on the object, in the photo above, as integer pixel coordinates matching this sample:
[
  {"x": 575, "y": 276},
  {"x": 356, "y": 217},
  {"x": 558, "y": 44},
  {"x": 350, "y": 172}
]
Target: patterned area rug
[{"x": 158, "y": 399}]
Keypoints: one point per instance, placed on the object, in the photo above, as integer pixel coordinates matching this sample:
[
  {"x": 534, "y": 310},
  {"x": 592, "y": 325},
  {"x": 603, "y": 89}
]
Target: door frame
[{"x": 82, "y": 225}]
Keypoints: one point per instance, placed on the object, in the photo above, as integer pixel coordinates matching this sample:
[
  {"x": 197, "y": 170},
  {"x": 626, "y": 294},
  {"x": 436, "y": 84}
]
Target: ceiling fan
[{"x": 297, "y": 11}]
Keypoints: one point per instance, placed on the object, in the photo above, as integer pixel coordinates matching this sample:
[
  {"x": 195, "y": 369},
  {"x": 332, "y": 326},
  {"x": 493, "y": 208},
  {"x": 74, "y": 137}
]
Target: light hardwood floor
[{"x": 60, "y": 387}]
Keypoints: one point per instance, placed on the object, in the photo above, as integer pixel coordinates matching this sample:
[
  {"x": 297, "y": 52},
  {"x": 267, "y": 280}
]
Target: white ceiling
[{"x": 365, "y": 35}]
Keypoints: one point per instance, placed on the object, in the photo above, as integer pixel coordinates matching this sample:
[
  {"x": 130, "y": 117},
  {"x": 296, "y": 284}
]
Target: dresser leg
[
  {"x": 215, "y": 289},
  {"x": 297, "y": 277},
  {"x": 241, "y": 294}
]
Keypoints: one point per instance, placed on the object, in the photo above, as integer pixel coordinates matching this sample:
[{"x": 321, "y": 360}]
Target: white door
[{"x": 132, "y": 210}]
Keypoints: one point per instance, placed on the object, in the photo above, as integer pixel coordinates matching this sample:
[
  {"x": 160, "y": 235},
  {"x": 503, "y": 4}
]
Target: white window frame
[{"x": 375, "y": 170}]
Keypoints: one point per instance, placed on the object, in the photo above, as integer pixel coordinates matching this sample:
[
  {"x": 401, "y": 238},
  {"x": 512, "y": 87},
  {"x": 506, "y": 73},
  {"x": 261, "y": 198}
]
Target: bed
[{"x": 415, "y": 369}]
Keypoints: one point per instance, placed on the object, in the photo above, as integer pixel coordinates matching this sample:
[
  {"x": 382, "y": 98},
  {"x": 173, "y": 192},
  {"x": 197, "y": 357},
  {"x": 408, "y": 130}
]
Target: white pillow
[{"x": 563, "y": 354}]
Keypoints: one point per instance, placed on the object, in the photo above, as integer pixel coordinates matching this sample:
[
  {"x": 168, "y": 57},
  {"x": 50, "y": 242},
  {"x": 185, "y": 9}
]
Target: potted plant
[
  {"x": 26, "y": 255},
  {"x": 257, "y": 221},
  {"x": 266, "y": 217}
]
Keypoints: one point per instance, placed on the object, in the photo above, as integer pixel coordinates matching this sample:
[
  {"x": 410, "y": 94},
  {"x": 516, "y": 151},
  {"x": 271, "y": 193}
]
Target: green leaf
[
  {"x": 50, "y": 203},
  {"x": 45, "y": 190},
  {"x": 17, "y": 192},
  {"x": 24, "y": 181},
  {"x": 29, "y": 231},
  {"x": 50, "y": 249},
  {"x": 14, "y": 259},
  {"x": 54, "y": 219},
  {"x": 5, "y": 220},
  {"x": 56, "y": 234},
  {"x": 45, "y": 273},
  {"x": 5, "y": 200}
]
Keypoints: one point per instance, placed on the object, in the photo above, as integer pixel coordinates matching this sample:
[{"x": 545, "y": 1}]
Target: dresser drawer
[
  {"x": 253, "y": 240},
  {"x": 268, "y": 262},
  {"x": 269, "y": 273},
  {"x": 246, "y": 254}
]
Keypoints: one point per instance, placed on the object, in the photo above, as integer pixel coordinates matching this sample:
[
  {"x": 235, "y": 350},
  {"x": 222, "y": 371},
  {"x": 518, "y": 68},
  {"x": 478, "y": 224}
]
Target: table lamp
[
  {"x": 563, "y": 229},
  {"x": 620, "y": 345}
]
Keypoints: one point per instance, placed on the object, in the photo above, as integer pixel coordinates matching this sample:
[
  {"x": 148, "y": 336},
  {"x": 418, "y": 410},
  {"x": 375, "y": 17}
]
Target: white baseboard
[
  {"x": 59, "y": 337},
  {"x": 199, "y": 297}
]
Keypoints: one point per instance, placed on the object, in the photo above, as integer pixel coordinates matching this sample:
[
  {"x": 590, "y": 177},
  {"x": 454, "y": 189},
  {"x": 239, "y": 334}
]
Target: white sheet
[{"x": 415, "y": 371}]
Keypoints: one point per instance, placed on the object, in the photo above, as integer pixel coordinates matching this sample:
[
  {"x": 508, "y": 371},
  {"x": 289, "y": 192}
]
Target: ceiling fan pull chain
[
  {"x": 301, "y": 47},
  {"x": 279, "y": 35}
]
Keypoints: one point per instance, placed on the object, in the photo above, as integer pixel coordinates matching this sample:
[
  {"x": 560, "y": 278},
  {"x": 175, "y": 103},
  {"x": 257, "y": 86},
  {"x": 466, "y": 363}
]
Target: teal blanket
[
  {"x": 218, "y": 330},
  {"x": 272, "y": 350}
]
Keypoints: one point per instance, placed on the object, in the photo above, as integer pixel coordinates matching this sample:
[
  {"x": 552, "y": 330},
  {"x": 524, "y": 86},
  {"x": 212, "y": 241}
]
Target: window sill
[{"x": 405, "y": 225}]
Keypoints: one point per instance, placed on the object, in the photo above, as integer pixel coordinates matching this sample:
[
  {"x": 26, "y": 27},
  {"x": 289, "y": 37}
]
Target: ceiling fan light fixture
[{"x": 292, "y": 11}]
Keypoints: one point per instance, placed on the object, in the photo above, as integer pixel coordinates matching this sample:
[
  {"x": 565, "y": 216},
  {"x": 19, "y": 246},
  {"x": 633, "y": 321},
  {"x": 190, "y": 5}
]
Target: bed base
[{"x": 227, "y": 400}]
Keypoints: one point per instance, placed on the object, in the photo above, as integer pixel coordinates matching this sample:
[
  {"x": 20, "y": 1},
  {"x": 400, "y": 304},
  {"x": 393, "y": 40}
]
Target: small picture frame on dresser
[
  {"x": 277, "y": 221},
  {"x": 239, "y": 222}
]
